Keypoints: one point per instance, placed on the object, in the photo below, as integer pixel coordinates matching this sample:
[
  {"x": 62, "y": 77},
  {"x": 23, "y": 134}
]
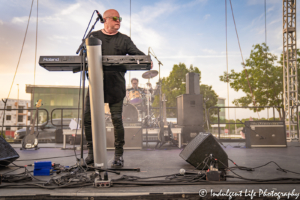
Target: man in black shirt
[{"x": 113, "y": 43}]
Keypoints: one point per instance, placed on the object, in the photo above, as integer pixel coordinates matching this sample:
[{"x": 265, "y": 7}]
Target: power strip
[{"x": 102, "y": 183}]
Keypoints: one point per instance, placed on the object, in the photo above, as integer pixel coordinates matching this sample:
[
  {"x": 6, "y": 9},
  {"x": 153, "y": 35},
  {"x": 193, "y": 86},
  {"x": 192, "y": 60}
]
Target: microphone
[
  {"x": 182, "y": 171},
  {"x": 100, "y": 16}
]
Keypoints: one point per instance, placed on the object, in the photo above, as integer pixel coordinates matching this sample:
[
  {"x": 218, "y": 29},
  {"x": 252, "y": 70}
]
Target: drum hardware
[
  {"x": 160, "y": 83},
  {"x": 150, "y": 74},
  {"x": 166, "y": 135}
]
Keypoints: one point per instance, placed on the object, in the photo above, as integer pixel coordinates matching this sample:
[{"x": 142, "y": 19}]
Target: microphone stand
[
  {"x": 82, "y": 45},
  {"x": 161, "y": 123},
  {"x": 82, "y": 49}
]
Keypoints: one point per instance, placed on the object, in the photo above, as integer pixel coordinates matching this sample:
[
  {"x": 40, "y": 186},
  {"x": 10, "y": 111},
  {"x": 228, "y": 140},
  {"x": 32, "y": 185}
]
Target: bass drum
[{"x": 130, "y": 113}]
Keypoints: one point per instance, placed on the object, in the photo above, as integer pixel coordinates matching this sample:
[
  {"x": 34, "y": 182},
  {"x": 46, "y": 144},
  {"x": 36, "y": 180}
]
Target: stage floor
[{"x": 166, "y": 161}]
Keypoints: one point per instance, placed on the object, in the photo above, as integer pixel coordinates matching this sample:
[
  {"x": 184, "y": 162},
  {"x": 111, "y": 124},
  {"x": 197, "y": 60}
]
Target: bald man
[{"x": 113, "y": 43}]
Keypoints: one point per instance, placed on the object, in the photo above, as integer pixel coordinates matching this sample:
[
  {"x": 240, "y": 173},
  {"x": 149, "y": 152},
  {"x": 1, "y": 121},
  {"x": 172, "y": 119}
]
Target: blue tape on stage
[{"x": 42, "y": 168}]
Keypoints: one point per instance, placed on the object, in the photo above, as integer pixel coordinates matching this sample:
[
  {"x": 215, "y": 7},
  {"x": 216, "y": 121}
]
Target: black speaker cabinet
[
  {"x": 265, "y": 134},
  {"x": 190, "y": 110},
  {"x": 190, "y": 132},
  {"x": 7, "y": 153},
  {"x": 192, "y": 85},
  {"x": 200, "y": 148},
  {"x": 133, "y": 137}
]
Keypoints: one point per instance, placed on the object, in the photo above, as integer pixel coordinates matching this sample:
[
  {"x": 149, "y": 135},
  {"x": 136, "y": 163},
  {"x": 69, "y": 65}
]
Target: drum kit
[
  {"x": 137, "y": 104},
  {"x": 141, "y": 100}
]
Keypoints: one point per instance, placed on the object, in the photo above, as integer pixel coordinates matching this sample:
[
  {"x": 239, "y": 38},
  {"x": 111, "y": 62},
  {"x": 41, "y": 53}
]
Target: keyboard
[{"x": 110, "y": 63}]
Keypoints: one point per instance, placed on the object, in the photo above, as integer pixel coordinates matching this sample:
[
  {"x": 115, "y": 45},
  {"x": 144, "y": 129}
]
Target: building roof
[{"x": 30, "y": 87}]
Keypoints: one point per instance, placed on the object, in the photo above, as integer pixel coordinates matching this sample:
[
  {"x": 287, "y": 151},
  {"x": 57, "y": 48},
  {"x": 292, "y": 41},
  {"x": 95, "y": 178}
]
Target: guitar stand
[
  {"x": 174, "y": 142},
  {"x": 35, "y": 148},
  {"x": 163, "y": 138}
]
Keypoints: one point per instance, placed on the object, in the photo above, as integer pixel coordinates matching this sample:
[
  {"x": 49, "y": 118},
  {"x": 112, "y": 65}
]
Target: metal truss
[{"x": 290, "y": 82}]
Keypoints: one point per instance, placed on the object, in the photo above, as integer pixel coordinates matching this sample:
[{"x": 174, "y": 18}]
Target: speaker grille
[
  {"x": 192, "y": 146},
  {"x": 265, "y": 134},
  {"x": 7, "y": 152},
  {"x": 200, "y": 148}
]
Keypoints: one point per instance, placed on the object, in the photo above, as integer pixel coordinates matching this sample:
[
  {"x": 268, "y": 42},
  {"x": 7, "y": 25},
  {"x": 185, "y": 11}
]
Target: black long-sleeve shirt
[{"x": 114, "y": 81}]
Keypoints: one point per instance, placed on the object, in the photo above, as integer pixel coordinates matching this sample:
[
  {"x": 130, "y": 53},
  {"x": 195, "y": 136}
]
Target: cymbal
[{"x": 150, "y": 74}]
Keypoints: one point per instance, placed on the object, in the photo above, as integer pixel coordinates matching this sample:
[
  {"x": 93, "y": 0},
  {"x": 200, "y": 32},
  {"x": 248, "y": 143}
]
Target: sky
[{"x": 178, "y": 31}]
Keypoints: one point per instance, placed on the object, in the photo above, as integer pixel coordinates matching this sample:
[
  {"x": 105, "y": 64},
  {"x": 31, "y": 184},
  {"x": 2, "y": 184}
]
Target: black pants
[{"x": 116, "y": 116}]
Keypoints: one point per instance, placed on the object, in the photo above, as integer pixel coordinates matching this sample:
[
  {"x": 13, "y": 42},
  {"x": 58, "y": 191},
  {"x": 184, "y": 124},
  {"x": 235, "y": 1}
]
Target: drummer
[{"x": 135, "y": 87}]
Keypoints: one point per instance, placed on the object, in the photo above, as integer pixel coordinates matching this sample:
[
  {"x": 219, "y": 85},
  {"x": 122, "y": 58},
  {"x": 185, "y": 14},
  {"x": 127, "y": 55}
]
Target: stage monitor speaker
[
  {"x": 265, "y": 134},
  {"x": 190, "y": 110},
  {"x": 7, "y": 153},
  {"x": 200, "y": 148},
  {"x": 133, "y": 137},
  {"x": 192, "y": 85}
]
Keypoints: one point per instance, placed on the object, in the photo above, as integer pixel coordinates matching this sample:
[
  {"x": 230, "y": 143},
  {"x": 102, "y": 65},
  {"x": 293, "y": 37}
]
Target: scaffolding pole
[{"x": 290, "y": 82}]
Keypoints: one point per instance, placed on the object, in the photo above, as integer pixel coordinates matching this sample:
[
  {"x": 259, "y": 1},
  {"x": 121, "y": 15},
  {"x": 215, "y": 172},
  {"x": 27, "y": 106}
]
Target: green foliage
[
  {"x": 174, "y": 85},
  {"x": 265, "y": 79},
  {"x": 2, "y": 134},
  {"x": 210, "y": 99}
]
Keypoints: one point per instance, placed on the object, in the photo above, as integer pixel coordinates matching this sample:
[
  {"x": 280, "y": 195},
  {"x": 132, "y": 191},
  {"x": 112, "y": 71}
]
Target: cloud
[
  {"x": 16, "y": 20},
  {"x": 70, "y": 9},
  {"x": 261, "y": 2},
  {"x": 150, "y": 13},
  {"x": 207, "y": 16},
  {"x": 210, "y": 51},
  {"x": 194, "y": 3},
  {"x": 270, "y": 9},
  {"x": 1, "y": 22}
]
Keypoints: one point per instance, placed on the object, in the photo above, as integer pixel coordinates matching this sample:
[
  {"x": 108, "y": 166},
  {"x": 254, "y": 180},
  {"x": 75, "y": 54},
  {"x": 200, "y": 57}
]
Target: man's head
[
  {"x": 112, "y": 21},
  {"x": 135, "y": 82}
]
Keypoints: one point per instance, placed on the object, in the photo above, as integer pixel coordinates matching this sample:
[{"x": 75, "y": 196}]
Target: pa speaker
[
  {"x": 192, "y": 85},
  {"x": 7, "y": 153},
  {"x": 190, "y": 110},
  {"x": 133, "y": 136},
  {"x": 265, "y": 134},
  {"x": 199, "y": 149}
]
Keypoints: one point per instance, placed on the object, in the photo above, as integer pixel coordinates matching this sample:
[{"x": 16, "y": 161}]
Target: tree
[
  {"x": 210, "y": 99},
  {"x": 265, "y": 80},
  {"x": 174, "y": 85}
]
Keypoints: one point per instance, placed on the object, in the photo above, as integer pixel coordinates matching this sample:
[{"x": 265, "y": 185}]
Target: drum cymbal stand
[
  {"x": 161, "y": 123},
  {"x": 148, "y": 95},
  {"x": 148, "y": 117}
]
